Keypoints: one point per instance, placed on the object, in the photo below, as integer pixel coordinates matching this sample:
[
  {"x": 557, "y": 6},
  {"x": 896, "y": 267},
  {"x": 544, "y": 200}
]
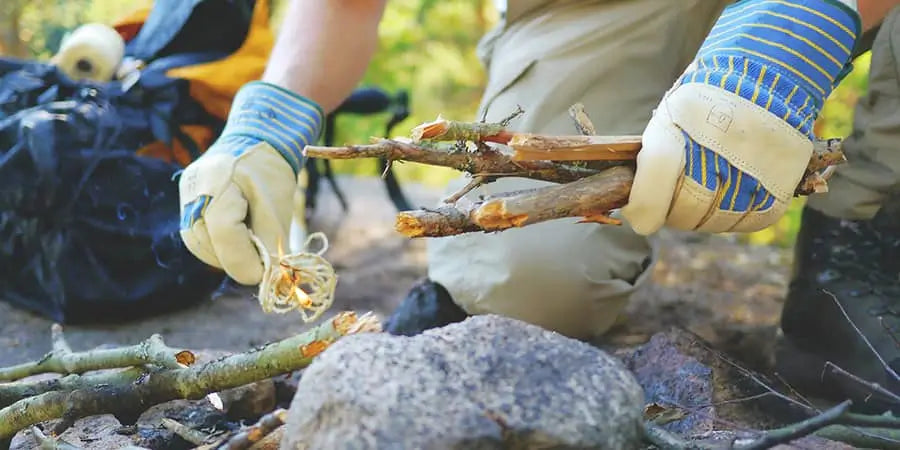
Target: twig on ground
[
  {"x": 850, "y": 433},
  {"x": 187, "y": 433},
  {"x": 669, "y": 441},
  {"x": 13, "y": 392},
  {"x": 255, "y": 433},
  {"x": 874, "y": 387},
  {"x": 64, "y": 361},
  {"x": 795, "y": 431},
  {"x": 128, "y": 392},
  {"x": 862, "y": 336}
]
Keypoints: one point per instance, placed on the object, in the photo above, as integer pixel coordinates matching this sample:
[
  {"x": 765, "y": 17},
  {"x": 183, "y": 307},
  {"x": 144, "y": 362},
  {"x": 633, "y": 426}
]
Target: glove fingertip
[
  {"x": 659, "y": 166},
  {"x": 199, "y": 247}
]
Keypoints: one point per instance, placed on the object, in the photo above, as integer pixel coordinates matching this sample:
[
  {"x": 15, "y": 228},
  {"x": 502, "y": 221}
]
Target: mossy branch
[
  {"x": 64, "y": 361},
  {"x": 127, "y": 393}
]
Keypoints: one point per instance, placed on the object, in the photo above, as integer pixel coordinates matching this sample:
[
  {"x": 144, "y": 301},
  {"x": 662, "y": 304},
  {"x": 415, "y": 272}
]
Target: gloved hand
[
  {"x": 246, "y": 181},
  {"x": 729, "y": 142}
]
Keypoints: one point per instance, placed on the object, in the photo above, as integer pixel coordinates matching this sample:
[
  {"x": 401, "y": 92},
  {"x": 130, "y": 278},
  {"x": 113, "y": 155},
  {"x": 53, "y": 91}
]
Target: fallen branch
[
  {"x": 125, "y": 394},
  {"x": 768, "y": 439},
  {"x": 63, "y": 360},
  {"x": 13, "y": 392}
]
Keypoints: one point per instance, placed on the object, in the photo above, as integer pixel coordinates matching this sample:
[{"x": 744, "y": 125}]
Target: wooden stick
[
  {"x": 537, "y": 147},
  {"x": 485, "y": 160},
  {"x": 590, "y": 198}
]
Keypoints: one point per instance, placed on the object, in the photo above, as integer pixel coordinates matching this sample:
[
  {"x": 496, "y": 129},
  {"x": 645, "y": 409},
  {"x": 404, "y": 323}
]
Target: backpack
[{"x": 89, "y": 208}]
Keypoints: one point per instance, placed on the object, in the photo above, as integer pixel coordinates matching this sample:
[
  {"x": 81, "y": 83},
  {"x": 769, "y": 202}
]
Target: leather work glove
[
  {"x": 730, "y": 141},
  {"x": 246, "y": 181}
]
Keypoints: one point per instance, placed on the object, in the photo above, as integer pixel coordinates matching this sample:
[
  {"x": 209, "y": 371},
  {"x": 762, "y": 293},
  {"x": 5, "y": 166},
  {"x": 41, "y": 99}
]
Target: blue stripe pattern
[
  {"x": 786, "y": 56},
  {"x": 739, "y": 191},
  {"x": 194, "y": 210},
  {"x": 265, "y": 112}
]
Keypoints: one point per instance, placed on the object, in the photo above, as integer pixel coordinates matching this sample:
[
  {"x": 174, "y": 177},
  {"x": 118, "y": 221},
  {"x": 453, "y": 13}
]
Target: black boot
[
  {"x": 855, "y": 264},
  {"x": 428, "y": 305}
]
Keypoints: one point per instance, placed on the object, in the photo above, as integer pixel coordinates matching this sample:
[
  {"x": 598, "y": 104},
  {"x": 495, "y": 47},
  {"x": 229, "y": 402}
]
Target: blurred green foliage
[{"x": 428, "y": 48}]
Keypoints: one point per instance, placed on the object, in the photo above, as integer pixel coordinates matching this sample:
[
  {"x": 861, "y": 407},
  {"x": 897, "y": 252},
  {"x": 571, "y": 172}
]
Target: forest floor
[{"x": 728, "y": 293}]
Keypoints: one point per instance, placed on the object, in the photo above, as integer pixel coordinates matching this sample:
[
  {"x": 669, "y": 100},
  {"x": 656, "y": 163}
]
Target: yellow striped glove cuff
[
  {"x": 265, "y": 112},
  {"x": 786, "y": 56}
]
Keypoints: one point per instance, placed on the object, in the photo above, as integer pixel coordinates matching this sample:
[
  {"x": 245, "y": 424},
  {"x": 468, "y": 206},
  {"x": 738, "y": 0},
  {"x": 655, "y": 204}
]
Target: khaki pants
[
  {"x": 617, "y": 58},
  {"x": 859, "y": 188}
]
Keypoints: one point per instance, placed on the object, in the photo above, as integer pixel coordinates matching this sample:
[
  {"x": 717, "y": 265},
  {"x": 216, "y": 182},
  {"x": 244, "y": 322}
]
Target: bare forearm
[
  {"x": 324, "y": 48},
  {"x": 873, "y": 12}
]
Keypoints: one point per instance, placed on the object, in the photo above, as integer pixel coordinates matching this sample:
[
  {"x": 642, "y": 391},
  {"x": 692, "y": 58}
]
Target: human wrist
[
  {"x": 275, "y": 115},
  {"x": 786, "y": 57}
]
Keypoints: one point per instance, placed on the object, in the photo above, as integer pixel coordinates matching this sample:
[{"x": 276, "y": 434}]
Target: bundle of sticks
[{"x": 592, "y": 174}]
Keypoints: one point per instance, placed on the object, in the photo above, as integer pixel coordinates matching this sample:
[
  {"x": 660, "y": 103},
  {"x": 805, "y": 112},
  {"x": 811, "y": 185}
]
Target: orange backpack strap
[
  {"x": 214, "y": 84},
  {"x": 129, "y": 26}
]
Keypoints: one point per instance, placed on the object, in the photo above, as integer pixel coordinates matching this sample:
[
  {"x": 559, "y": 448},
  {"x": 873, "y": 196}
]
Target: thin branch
[
  {"x": 64, "y": 361},
  {"x": 264, "y": 427},
  {"x": 884, "y": 363},
  {"x": 768, "y": 439},
  {"x": 450, "y": 130},
  {"x": 807, "y": 427},
  {"x": 664, "y": 440},
  {"x": 849, "y": 434},
  {"x": 484, "y": 160},
  {"x": 185, "y": 432},
  {"x": 874, "y": 387},
  {"x": 126, "y": 395},
  {"x": 474, "y": 183}
]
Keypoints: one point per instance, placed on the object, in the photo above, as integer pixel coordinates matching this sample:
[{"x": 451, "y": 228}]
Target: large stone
[
  {"x": 697, "y": 389},
  {"x": 487, "y": 382}
]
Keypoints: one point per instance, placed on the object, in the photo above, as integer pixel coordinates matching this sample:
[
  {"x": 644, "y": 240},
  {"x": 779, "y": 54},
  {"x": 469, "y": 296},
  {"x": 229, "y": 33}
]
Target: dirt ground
[{"x": 728, "y": 293}]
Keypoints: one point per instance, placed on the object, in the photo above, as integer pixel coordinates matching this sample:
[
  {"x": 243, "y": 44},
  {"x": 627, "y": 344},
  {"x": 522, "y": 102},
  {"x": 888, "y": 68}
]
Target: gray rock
[{"x": 485, "y": 383}]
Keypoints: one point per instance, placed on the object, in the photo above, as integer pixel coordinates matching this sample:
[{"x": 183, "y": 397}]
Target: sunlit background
[{"x": 427, "y": 47}]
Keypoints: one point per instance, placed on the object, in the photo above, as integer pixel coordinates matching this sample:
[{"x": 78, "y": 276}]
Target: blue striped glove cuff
[
  {"x": 784, "y": 55},
  {"x": 286, "y": 121}
]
